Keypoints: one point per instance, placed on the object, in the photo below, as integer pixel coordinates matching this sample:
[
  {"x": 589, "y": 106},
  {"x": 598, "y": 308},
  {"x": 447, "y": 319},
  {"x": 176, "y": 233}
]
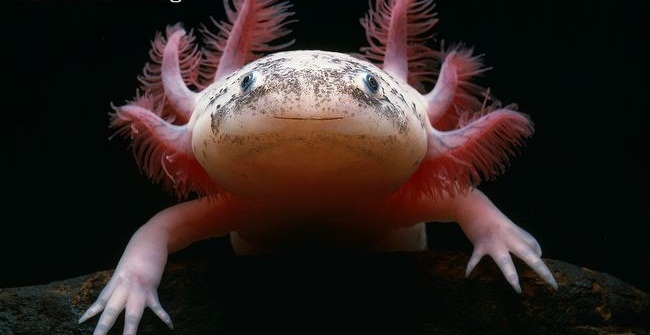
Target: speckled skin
[{"x": 313, "y": 150}]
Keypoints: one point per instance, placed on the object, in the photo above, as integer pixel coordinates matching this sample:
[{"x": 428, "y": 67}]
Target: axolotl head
[{"x": 315, "y": 121}]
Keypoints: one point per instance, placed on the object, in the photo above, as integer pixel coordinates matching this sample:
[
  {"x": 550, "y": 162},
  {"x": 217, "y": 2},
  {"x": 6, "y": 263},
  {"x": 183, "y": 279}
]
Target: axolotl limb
[{"x": 313, "y": 149}]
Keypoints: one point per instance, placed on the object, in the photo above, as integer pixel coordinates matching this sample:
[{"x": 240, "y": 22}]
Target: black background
[{"x": 577, "y": 67}]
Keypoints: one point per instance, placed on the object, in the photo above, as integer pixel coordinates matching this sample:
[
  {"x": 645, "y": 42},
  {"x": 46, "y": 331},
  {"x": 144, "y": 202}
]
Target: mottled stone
[{"x": 402, "y": 293}]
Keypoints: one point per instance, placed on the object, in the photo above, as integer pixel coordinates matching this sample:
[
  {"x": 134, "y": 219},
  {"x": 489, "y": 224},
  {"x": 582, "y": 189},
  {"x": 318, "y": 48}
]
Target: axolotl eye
[
  {"x": 247, "y": 81},
  {"x": 372, "y": 83}
]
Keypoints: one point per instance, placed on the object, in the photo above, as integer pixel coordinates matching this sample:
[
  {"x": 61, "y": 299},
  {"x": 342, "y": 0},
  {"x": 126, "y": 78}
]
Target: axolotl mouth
[
  {"x": 314, "y": 118},
  {"x": 301, "y": 120}
]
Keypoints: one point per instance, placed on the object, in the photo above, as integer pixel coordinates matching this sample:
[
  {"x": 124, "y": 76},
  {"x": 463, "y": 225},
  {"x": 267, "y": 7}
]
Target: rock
[{"x": 401, "y": 293}]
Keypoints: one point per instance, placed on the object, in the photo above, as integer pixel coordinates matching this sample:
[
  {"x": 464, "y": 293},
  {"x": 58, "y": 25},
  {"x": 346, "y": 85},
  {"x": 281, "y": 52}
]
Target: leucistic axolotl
[{"x": 313, "y": 149}]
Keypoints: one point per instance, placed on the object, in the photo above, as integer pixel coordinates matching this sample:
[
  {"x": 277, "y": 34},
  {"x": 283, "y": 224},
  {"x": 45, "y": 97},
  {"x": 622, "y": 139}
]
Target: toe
[
  {"x": 473, "y": 261},
  {"x": 154, "y": 303},
  {"x": 113, "y": 309},
  {"x": 134, "y": 309},
  {"x": 504, "y": 262}
]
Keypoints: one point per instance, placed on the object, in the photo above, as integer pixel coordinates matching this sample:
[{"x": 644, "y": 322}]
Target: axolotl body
[{"x": 313, "y": 149}]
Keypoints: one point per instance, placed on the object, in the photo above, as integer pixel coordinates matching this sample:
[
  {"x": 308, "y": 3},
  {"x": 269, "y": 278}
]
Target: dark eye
[
  {"x": 371, "y": 83},
  {"x": 247, "y": 81}
]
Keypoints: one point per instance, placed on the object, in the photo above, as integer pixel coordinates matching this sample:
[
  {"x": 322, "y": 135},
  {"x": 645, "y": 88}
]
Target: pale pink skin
[{"x": 285, "y": 168}]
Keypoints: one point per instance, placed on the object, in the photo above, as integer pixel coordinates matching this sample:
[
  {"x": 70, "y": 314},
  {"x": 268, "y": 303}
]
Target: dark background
[{"x": 579, "y": 68}]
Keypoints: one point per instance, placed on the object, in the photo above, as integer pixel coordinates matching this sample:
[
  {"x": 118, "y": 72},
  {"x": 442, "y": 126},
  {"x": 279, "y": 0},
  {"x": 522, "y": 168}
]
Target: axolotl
[{"x": 313, "y": 149}]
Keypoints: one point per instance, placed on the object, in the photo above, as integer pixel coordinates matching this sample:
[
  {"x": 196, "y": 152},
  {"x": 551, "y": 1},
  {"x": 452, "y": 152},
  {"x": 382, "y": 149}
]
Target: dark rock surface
[{"x": 404, "y": 293}]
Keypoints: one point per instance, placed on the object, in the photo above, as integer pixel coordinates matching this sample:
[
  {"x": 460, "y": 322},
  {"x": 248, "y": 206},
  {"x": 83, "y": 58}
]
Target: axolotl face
[{"x": 314, "y": 123}]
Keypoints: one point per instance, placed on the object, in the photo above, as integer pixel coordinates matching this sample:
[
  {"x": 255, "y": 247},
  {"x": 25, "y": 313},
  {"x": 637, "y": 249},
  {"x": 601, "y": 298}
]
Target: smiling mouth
[{"x": 314, "y": 118}]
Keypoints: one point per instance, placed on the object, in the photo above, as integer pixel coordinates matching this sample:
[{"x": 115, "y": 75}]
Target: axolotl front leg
[
  {"x": 493, "y": 234},
  {"x": 134, "y": 284},
  {"x": 489, "y": 230}
]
